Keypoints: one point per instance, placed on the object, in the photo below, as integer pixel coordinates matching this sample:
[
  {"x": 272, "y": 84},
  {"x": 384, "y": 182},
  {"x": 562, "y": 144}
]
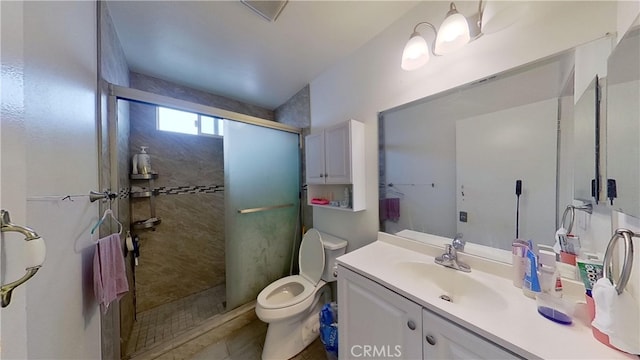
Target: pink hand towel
[
  {"x": 390, "y": 209},
  {"x": 109, "y": 275},
  {"x": 393, "y": 209}
]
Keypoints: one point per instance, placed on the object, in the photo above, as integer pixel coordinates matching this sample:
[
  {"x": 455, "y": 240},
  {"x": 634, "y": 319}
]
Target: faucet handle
[
  {"x": 448, "y": 249},
  {"x": 458, "y": 243}
]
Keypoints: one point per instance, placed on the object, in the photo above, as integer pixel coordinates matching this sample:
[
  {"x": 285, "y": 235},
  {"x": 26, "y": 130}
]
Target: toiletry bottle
[
  {"x": 531, "y": 283},
  {"x": 345, "y": 198},
  {"x": 144, "y": 161},
  {"x": 518, "y": 261},
  {"x": 134, "y": 165},
  {"x": 550, "y": 282}
]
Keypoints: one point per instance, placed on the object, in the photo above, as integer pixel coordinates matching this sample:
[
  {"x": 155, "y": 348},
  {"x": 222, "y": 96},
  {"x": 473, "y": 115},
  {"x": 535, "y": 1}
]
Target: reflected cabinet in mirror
[
  {"x": 623, "y": 124},
  {"x": 450, "y": 163},
  {"x": 586, "y": 175}
]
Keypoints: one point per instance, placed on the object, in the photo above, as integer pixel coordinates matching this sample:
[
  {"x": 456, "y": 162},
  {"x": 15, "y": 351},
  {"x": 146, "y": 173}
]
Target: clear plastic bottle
[
  {"x": 345, "y": 198},
  {"x": 144, "y": 161}
]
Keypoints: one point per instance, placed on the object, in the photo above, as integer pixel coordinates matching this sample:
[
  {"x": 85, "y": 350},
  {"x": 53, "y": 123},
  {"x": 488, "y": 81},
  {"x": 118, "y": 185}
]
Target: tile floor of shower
[
  {"x": 165, "y": 322},
  {"x": 241, "y": 338}
]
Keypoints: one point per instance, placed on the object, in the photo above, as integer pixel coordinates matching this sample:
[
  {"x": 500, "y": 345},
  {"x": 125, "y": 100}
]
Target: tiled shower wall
[{"x": 185, "y": 254}]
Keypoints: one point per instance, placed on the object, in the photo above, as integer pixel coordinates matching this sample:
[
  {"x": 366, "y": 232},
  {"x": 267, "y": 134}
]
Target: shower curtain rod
[{"x": 125, "y": 93}]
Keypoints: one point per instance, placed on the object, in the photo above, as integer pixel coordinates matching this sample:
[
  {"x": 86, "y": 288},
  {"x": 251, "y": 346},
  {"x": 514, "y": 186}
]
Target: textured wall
[
  {"x": 166, "y": 88},
  {"x": 297, "y": 112}
]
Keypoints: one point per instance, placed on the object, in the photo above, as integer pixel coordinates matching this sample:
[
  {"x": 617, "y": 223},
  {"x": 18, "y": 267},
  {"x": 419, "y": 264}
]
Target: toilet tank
[{"x": 333, "y": 247}]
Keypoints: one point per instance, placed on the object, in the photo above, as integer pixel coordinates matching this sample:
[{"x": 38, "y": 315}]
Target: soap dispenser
[{"x": 144, "y": 161}]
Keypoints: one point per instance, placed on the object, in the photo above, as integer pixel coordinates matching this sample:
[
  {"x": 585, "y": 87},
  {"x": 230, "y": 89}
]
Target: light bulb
[
  {"x": 416, "y": 53},
  {"x": 453, "y": 34}
]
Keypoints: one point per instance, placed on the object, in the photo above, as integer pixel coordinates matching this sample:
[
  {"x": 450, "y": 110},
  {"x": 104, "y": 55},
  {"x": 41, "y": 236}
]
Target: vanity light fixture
[{"x": 455, "y": 32}]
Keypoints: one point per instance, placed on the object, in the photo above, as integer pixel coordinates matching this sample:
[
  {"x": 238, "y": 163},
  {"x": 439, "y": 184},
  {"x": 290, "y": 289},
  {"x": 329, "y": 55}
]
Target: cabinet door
[
  {"x": 445, "y": 340},
  {"x": 374, "y": 322},
  {"x": 314, "y": 158},
  {"x": 338, "y": 154}
]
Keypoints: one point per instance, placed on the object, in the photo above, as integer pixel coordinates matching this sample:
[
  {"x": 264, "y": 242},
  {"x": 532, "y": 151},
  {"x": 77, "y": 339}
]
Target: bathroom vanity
[{"x": 395, "y": 302}]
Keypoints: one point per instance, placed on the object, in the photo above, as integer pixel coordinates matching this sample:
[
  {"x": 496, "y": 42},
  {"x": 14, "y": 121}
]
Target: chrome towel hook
[
  {"x": 627, "y": 261},
  {"x": 36, "y": 251}
]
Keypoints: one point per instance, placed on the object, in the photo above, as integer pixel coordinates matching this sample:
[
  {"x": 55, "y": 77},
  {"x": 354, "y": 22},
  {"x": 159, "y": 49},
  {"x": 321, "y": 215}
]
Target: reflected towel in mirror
[{"x": 390, "y": 209}]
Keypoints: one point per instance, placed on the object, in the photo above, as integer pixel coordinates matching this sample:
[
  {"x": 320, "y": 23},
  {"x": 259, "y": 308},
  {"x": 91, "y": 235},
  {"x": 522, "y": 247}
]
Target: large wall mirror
[
  {"x": 450, "y": 163},
  {"x": 623, "y": 124},
  {"x": 586, "y": 144}
]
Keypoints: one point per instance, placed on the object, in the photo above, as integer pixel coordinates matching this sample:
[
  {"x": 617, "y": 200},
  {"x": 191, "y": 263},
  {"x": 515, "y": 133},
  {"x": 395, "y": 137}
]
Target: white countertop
[{"x": 513, "y": 324}]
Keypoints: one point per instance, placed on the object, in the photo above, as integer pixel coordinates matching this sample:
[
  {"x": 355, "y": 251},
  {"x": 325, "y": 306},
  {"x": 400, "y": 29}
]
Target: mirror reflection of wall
[
  {"x": 449, "y": 163},
  {"x": 623, "y": 124}
]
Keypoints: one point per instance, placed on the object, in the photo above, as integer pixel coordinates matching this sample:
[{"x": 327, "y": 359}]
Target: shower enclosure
[{"x": 229, "y": 208}]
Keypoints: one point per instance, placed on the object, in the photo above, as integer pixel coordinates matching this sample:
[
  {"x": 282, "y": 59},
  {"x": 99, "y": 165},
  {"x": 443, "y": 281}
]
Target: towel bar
[
  {"x": 627, "y": 263},
  {"x": 266, "y": 208}
]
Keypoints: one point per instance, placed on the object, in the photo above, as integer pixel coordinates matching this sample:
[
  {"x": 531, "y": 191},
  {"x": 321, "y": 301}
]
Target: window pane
[
  {"x": 177, "y": 121},
  {"x": 220, "y": 123},
  {"x": 207, "y": 125}
]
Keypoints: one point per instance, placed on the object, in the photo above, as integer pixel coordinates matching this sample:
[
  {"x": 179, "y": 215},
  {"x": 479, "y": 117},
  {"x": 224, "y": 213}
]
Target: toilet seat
[
  {"x": 286, "y": 292},
  {"x": 292, "y": 290}
]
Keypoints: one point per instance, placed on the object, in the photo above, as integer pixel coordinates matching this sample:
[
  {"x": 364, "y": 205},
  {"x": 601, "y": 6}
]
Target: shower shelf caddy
[{"x": 150, "y": 194}]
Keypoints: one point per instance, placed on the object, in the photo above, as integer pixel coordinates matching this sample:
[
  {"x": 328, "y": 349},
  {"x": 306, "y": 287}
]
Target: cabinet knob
[
  {"x": 411, "y": 325},
  {"x": 431, "y": 339},
  {"x": 321, "y": 175}
]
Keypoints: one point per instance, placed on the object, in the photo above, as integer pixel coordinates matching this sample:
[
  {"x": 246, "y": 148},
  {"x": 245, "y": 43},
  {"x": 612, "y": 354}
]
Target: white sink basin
[{"x": 453, "y": 285}]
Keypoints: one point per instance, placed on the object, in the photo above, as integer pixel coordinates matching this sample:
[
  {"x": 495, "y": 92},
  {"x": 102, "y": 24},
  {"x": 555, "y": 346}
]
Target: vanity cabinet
[
  {"x": 445, "y": 340},
  {"x": 372, "y": 318},
  {"x": 334, "y": 159},
  {"x": 376, "y": 322}
]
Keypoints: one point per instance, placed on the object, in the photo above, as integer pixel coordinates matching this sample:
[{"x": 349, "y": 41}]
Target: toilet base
[{"x": 286, "y": 338}]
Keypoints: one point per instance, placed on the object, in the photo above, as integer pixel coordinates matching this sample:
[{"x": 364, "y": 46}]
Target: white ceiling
[{"x": 223, "y": 47}]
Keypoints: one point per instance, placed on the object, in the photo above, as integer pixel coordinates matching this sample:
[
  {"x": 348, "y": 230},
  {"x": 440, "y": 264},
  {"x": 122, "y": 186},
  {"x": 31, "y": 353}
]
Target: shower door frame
[{"x": 117, "y": 92}]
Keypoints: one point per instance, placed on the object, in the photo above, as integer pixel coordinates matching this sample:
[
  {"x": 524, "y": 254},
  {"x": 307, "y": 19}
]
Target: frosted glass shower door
[{"x": 262, "y": 185}]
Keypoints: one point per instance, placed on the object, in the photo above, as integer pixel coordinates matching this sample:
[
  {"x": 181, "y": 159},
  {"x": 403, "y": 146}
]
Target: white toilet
[{"x": 291, "y": 305}]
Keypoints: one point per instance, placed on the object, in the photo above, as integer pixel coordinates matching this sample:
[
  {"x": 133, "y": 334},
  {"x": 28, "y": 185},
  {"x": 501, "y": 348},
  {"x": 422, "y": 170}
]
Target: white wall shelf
[{"x": 335, "y": 160}]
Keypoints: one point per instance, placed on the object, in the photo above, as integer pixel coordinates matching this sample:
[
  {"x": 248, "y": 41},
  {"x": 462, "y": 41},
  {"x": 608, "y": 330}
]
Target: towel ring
[
  {"x": 588, "y": 208},
  {"x": 627, "y": 262},
  {"x": 36, "y": 255}
]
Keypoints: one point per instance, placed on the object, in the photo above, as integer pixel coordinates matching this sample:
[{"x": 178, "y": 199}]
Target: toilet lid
[{"x": 311, "y": 256}]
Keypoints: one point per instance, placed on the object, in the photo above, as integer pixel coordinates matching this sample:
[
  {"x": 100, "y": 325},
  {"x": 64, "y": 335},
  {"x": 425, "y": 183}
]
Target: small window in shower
[
  {"x": 211, "y": 126},
  {"x": 185, "y": 122}
]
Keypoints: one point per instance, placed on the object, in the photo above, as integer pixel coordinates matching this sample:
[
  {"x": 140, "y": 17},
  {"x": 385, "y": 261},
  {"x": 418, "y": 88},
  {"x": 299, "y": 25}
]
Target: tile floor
[
  {"x": 240, "y": 338},
  {"x": 166, "y": 322},
  {"x": 197, "y": 328},
  {"x": 246, "y": 344}
]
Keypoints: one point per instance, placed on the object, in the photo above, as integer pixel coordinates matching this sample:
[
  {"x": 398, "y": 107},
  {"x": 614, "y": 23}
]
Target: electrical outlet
[{"x": 463, "y": 216}]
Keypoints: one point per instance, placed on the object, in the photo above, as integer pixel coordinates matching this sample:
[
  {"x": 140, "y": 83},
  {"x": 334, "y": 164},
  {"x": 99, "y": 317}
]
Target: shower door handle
[{"x": 266, "y": 208}]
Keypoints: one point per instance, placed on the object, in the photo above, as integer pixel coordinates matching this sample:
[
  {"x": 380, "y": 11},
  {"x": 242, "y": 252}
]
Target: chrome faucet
[{"x": 450, "y": 256}]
